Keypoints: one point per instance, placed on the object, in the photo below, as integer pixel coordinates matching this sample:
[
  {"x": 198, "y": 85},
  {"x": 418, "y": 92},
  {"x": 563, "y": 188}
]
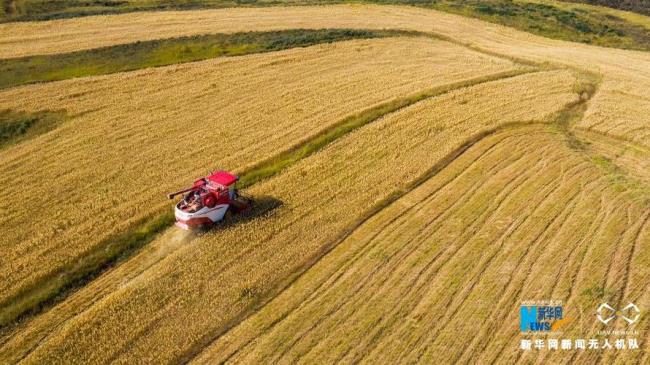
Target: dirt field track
[{"x": 414, "y": 238}]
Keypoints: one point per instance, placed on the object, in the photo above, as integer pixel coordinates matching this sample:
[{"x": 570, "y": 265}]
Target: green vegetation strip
[
  {"x": 637, "y": 6},
  {"x": 18, "y": 126},
  {"x": 559, "y": 20},
  {"x": 127, "y": 57},
  {"x": 594, "y": 26},
  {"x": 123, "y": 245}
]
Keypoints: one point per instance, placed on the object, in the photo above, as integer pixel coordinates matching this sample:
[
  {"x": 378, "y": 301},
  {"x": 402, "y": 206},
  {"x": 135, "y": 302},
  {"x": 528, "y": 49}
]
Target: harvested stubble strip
[
  {"x": 404, "y": 283},
  {"x": 182, "y": 304},
  {"x": 132, "y": 137}
]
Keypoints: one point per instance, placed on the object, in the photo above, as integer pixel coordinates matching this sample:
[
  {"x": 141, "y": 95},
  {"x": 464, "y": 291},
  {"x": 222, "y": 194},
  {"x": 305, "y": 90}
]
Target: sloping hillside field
[{"x": 420, "y": 181}]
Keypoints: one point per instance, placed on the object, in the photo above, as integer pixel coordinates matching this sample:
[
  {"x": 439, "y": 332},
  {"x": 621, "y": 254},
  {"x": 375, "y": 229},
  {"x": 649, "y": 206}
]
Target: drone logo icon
[{"x": 630, "y": 313}]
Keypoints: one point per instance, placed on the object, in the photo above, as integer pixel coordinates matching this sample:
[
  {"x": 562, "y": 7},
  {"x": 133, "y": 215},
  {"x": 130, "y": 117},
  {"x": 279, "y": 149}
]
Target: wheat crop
[
  {"x": 620, "y": 108},
  {"x": 132, "y": 137},
  {"x": 192, "y": 295},
  {"x": 476, "y": 230}
]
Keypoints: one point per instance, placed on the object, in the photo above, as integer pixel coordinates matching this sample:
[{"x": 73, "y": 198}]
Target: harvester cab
[{"x": 208, "y": 200}]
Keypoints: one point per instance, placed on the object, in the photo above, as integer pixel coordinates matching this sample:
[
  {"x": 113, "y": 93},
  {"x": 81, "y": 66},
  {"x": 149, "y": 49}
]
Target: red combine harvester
[{"x": 207, "y": 201}]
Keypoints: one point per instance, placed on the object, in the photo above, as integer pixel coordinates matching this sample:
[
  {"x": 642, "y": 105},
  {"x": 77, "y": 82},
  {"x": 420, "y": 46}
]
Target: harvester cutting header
[{"x": 208, "y": 200}]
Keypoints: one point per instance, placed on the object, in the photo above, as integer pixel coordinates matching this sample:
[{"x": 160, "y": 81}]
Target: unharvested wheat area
[{"x": 413, "y": 178}]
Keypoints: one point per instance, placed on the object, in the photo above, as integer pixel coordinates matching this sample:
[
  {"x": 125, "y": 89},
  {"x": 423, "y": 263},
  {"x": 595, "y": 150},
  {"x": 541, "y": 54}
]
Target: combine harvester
[{"x": 208, "y": 200}]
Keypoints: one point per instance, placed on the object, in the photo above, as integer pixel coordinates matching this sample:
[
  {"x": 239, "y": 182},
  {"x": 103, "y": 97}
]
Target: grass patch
[
  {"x": 127, "y": 57},
  {"x": 637, "y": 6},
  {"x": 16, "y": 126},
  {"x": 552, "y": 21},
  {"x": 619, "y": 180}
]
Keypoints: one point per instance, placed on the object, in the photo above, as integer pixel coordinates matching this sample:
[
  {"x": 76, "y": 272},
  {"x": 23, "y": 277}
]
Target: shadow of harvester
[{"x": 262, "y": 206}]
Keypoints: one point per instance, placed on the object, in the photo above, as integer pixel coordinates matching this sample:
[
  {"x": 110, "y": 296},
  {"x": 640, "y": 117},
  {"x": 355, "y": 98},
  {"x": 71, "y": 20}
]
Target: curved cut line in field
[
  {"x": 618, "y": 109},
  {"x": 192, "y": 296},
  {"x": 377, "y": 295},
  {"x": 306, "y": 90}
]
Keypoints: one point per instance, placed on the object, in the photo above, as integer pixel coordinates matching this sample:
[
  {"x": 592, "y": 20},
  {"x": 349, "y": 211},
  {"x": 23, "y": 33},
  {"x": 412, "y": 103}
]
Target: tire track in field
[
  {"x": 598, "y": 232},
  {"x": 413, "y": 286},
  {"x": 643, "y": 356},
  {"x": 633, "y": 252},
  {"x": 635, "y": 230},
  {"x": 547, "y": 193},
  {"x": 595, "y": 225},
  {"x": 609, "y": 216},
  {"x": 480, "y": 337},
  {"x": 510, "y": 280},
  {"x": 571, "y": 259},
  {"x": 529, "y": 267},
  {"x": 607, "y": 275},
  {"x": 563, "y": 268},
  {"x": 504, "y": 193},
  {"x": 612, "y": 213}
]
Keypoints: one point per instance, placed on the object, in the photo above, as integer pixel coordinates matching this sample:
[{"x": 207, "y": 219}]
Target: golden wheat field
[
  {"x": 493, "y": 168},
  {"x": 621, "y": 107},
  {"x": 262, "y": 255},
  {"x": 303, "y": 91}
]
